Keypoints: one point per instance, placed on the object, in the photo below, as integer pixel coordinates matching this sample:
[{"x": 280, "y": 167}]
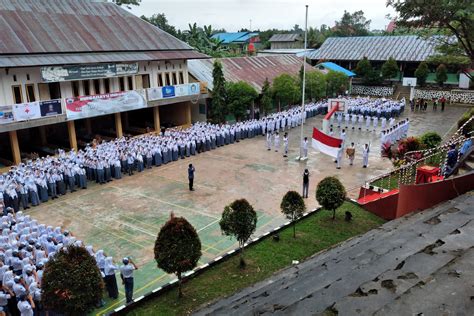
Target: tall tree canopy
[
  {"x": 286, "y": 89},
  {"x": 240, "y": 97},
  {"x": 160, "y": 20},
  {"x": 453, "y": 18},
  {"x": 218, "y": 106},
  {"x": 127, "y": 3},
  {"x": 354, "y": 24},
  {"x": 266, "y": 98}
]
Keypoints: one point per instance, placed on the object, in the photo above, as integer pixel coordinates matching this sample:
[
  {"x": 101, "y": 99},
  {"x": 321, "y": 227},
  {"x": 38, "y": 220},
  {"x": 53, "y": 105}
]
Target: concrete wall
[{"x": 456, "y": 96}]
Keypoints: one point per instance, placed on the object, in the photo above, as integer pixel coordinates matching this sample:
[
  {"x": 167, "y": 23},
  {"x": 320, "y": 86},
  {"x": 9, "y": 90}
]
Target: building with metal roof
[
  {"x": 234, "y": 38},
  {"x": 71, "y": 70},
  {"x": 253, "y": 70},
  {"x": 327, "y": 66},
  {"x": 407, "y": 50},
  {"x": 286, "y": 41}
]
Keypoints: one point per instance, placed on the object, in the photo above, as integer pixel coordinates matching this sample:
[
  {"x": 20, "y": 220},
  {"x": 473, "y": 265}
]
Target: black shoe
[
  {"x": 364, "y": 167},
  {"x": 338, "y": 167}
]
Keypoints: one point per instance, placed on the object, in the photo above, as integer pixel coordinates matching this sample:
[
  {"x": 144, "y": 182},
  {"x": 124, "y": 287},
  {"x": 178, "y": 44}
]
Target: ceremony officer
[
  {"x": 126, "y": 273},
  {"x": 191, "y": 176}
]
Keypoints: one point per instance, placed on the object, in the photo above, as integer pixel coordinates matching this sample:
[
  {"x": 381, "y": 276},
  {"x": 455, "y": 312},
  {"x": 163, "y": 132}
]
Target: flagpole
[{"x": 303, "y": 111}]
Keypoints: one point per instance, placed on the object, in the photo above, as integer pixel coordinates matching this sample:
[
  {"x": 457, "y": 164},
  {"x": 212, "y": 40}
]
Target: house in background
[
  {"x": 286, "y": 41},
  {"x": 239, "y": 42}
]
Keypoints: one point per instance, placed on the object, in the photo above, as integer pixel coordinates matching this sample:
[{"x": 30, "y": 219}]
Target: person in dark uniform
[
  {"x": 305, "y": 183},
  {"x": 191, "y": 176}
]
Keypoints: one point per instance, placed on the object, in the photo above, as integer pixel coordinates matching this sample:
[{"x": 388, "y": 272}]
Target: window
[
  {"x": 130, "y": 82},
  {"x": 160, "y": 80},
  {"x": 202, "y": 108},
  {"x": 30, "y": 92},
  {"x": 75, "y": 88},
  {"x": 122, "y": 84},
  {"x": 167, "y": 79},
  {"x": 17, "y": 96},
  {"x": 54, "y": 90},
  {"x": 27, "y": 76},
  {"x": 96, "y": 84},
  {"x": 181, "y": 77},
  {"x": 107, "y": 85},
  {"x": 146, "y": 81},
  {"x": 87, "y": 87},
  {"x": 174, "y": 78},
  {"x": 14, "y": 78}
]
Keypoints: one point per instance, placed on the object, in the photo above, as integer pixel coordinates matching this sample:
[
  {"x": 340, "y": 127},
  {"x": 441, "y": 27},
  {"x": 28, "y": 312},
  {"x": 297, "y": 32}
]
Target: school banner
[
  {"x": 168, "y": 92},
  {"x": 66, "y": 73},
  {"x": 175, "y": 91},
  {"x": 51, "y": 108},
  {"x": 26, "y": 111},
  {"x": 6, "y": 114},
  {"x": 102, "y": 104}
]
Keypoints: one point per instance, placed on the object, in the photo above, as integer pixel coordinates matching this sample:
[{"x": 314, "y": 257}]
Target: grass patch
[
  {"x": 314, "y": 233},
  {"x": 388, "y": 182}
]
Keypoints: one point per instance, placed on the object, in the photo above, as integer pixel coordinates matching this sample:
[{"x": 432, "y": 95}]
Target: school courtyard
[{"x": 123, "y": 217}]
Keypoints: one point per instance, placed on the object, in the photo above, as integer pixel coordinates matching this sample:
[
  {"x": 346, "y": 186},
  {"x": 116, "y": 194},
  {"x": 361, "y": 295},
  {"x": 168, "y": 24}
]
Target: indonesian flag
[{"x": 326, "y": 144}]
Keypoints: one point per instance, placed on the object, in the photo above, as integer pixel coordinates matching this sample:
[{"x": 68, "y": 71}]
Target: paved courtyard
[{"x": 124, "y": 216}]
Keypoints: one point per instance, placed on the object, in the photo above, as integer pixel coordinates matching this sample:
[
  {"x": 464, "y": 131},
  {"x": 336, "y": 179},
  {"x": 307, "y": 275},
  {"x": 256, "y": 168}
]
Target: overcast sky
[{"x": 281, "y": 14}]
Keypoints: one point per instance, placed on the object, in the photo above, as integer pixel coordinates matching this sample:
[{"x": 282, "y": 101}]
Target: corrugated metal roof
[
  {"x": 285, "y": 37},
  {"x": 334, "y": 67},
  {"x": 402, "y": 48},
  {"x": 85, "y": 58},
  {"x": 65, "y": 26},
  {"x": 252, "y": 70},
  {"x": 228, "y": 38}
]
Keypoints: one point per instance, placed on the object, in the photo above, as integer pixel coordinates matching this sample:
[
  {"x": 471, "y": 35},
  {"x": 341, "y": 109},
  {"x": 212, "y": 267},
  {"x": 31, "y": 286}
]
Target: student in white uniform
[
  {"x": 339, "y": 157},
  {"x": 365, "y": 156},
  {"x": 276, "y": 141},
  {"x": 285, "y": 144}
]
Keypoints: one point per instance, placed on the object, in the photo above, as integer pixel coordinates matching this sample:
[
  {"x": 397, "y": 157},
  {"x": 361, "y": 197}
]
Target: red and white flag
[{"x": 324, "y": 143}]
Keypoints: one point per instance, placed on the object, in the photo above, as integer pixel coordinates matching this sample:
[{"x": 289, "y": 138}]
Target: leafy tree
[
  {"x": 266, "y": 98},
  {"x": 389, "y": 69},
  {"x": 127, "y": 3},
  {"x": 292, "y": 205},
  {"x": 421, "y": 73},
  {"x": 239, "y": 220},
  {"x": 354, "y": 24},
  {"x": 337, "y": 83},
  {"x": 451, "y": 18},
  {"x": 330, "y": 194},
  {"x": 431, "y": 139},
  {"x": 441, "y": 74},
  {"x": 177, "y": 248},
  {"x": 240, "y": 96},
  {"x": 315, "y": 85},
  {"x": 286, "y": 90},
  {"x": 363, "y": 67},
  {"x": 159, "y": 20},
  {"x": 72, "y": 283},
  {"x": 218, "y": 108}
]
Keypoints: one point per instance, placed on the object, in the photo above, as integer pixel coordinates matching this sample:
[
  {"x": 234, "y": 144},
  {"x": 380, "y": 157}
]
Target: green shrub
[
  {"x": 330, "y": 194},
  {"x": 430, "y": 140}
]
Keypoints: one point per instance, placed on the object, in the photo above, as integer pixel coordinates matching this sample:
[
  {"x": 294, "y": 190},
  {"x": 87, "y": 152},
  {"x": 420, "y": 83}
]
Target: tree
[
  {"x": 448, "y": 18},
  {"x": 218, "y": 108},
  {"x": 72, "y": 283},
  {"x": 330, "y": 194},
  {"x": 354, "y": 24},
  {"x": 441, "y": 74},
  {"x": 266, "y": 99},
  {"x": 239, "y": 220},
  {"x": 292, "y": 205},
  {"x": 159, "y": 20},
  {"x": 336, "y": 83},
  {"x": 421, "y": 73},
  {"x": 363, "y": 67},
  {"x": 315, "y": 85},
  {"x": 240, "y": 96},
  {"x": 127, "y": 3},
  {"x": 389, "y": 69},
  {"x": 177, "y": 248},
  {"x": 285, "y": 90}
]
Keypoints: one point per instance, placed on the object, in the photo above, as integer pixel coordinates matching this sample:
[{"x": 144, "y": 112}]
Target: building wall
[
  {"x": 283, "y": 45},
  {"x": 25, "y": 76}
]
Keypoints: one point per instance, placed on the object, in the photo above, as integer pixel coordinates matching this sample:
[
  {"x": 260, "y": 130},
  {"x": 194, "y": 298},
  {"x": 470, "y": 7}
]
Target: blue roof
[
  {"x": 332, "y": 66},
  {"x": 228, "y": 38}
]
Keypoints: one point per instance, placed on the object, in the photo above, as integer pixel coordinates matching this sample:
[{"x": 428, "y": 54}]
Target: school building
[{"x": 75, "y": 70}]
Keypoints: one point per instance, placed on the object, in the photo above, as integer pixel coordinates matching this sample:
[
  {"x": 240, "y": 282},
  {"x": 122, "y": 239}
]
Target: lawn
[{"x": 314, "y": 233}]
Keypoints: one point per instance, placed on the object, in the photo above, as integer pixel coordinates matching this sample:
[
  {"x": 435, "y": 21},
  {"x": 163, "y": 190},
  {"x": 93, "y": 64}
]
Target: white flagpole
[{"x": 303, "y": 112}]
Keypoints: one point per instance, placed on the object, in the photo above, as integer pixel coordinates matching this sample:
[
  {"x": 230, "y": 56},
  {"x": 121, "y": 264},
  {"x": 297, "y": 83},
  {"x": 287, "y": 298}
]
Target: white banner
[
  {"x": 102, "y": 104},
  {"x": 26, "y": 111},
  {"x": 180, "y": 90}
]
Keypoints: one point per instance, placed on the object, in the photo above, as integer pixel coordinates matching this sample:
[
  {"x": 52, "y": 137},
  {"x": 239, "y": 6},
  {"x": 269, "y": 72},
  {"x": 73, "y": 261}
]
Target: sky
[{"x": 233, "y": 15}]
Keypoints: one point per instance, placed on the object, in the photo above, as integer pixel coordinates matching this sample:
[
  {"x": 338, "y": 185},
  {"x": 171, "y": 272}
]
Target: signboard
[
  {"x": 341, "y": 103},
  {"x": 51, "y": 108},
  {"x": 6, "y": 114},
  {"x": 409, "y": 82},
  {"x": 180, "y": 90},
  {"x": 26, "y": 111},
  {"x": 102, "y": 104},
  {"x": 79, "y": 72}
]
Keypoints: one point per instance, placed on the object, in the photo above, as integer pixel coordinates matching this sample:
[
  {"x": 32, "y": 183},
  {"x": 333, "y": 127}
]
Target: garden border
[{"x": 202, "y": 268}]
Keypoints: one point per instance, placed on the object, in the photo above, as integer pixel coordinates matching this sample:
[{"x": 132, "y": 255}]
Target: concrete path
[{"x": 421, "y": 264}]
